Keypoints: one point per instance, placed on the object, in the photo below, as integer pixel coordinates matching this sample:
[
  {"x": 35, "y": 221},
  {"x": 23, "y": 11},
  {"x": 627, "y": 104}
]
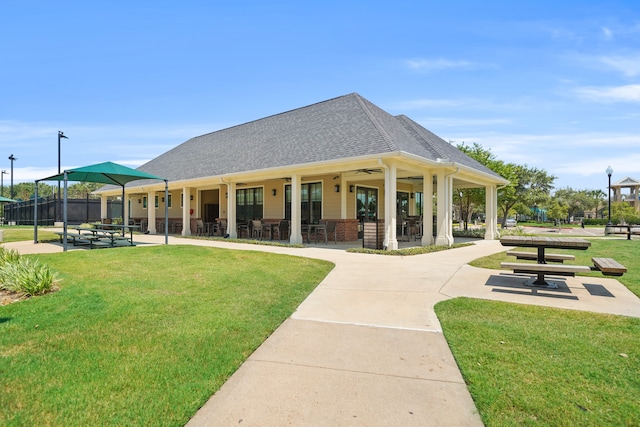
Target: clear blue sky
[{"x": 550, "y": 84}]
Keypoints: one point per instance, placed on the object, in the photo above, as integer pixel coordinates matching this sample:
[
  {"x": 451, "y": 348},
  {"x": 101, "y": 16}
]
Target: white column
[
  {"x": 344, "y": 191},
  {"x": 444, "y": 237},
  {"x": 103, "y": 206},
  {"x": 186, "y": 211},
  {"x": 427, "y": 209},
  {"x": 390, "y": 212},
  {"x": 491, "y": 211},
  {"x": 232, "y": 230},
  {"x": 151, "y": 212},
  {"x": 296, "y": 214},
  {"x": 125, "y": 209}
]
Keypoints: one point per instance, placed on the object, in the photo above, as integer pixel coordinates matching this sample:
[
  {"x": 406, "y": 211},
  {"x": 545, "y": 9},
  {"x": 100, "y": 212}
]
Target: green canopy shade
[
  {"x": 105, "y": 173},
  {"x": 6, "y": 199}
]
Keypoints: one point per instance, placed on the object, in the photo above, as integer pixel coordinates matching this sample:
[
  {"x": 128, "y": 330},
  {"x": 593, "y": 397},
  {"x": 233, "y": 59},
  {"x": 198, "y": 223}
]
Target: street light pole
[
  {"x": 12, "y": 158},
  {"x": 60, "y": 136},
  {"x": 2, "y": 182},
  {"x": 609, "y": 173}
]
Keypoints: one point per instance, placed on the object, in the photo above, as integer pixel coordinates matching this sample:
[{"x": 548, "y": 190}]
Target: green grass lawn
[
  {"x": 529, "y": 365},
  {"x": 22, "y": 233},
  {"x": 144, "y": 335}
]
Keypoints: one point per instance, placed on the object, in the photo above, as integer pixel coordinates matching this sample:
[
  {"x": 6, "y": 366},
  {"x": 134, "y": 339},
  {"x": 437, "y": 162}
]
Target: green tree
[{"x": 527, "y": 186}]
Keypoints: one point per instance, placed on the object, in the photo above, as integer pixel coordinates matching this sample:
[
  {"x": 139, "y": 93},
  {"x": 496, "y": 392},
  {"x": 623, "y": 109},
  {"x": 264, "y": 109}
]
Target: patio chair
[
  {"x": 244, "y": 227},
  {"x": 256, "y": 229},
  {"x": 283, "y": 229},
  {"x": 331, "y": 229},
  {"x": 199, "y": 227}
]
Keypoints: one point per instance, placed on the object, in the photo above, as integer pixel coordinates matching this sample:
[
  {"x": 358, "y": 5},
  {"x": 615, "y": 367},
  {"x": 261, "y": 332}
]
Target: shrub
[
  {"x": 476, "y": 233},
  {"x": 24, "y": 275},
  {"x": 8, "y": 256}
]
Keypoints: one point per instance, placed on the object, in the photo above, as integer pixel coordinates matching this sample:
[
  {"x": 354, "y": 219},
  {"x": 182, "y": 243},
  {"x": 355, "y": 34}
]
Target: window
[
  {"x": 310, "y": 202},
  {"x": 144, "y": 202},
  {"x": 157, "y": 201},
  {"x": 249, "y": 204},
  {"x": 418, "y": 200},
  {"x": 367, "y": 204},
  {"x": 169, "y": 201},
  {"x": 402, "y": 204}
]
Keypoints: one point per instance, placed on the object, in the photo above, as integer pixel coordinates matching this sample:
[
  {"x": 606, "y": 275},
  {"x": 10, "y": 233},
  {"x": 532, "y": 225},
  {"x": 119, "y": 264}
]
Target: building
[
  {"x": 627, "y": 190},
  {"x": 344, "y": 159}
]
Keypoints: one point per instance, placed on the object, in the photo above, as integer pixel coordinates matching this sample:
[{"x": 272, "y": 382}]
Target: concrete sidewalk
[{"x": 366, "y": 349}]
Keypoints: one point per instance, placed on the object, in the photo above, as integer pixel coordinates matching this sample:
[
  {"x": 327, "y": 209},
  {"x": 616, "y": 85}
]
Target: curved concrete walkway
[{"x": 366, "y": 349}]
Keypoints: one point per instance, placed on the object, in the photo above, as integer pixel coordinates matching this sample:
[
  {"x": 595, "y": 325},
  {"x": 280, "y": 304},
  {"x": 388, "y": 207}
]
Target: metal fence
[{"x": 50, "y": 211}]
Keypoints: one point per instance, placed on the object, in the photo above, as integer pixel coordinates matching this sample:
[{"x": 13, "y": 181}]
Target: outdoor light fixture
[
  {"x": 411, "y": 195},
  {"x": 336, "y": 188},
  {"x": 12, "y": 158},
  {"x": 351, "y": 187},
  {"x": 609, "y": 173},
  {"x": 191, "y": 197},
  {"x": 273, "y": 192}
]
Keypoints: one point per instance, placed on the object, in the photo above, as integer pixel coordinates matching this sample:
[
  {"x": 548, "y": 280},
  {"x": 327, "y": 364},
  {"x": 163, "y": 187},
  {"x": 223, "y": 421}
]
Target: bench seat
[
  {"x": 609, "y": 266},
  {"x": 559, "y": 270},
  {"x": 547, "y": 257}
]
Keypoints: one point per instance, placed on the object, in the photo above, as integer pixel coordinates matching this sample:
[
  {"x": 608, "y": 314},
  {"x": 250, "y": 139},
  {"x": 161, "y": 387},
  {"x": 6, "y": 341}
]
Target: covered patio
[{"x": 343, "y": 160}]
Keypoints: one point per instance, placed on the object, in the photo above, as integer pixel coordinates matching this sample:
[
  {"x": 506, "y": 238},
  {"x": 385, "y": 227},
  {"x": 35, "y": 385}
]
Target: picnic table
[
  {"x": 541, "y": 268},
  {"x": 107, "y": 236},
  {"x": 608, "y": 266}
]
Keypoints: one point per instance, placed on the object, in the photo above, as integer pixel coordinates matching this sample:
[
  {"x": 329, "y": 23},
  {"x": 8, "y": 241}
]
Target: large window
[
  {"x": 249, "y": 204},
  {"x": 310, "y": 202}
]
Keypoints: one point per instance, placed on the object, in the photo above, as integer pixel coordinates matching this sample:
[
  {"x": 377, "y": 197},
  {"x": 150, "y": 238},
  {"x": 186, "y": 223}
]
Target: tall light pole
[
  {"x": 609, "y": 173},
  {"x": 12, "y": 158},
  {"x": 60, "y": 136},
  {"x": 2, "y": 182}
]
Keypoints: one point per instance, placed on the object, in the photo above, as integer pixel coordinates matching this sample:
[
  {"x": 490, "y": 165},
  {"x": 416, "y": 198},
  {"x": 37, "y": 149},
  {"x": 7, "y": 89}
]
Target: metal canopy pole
[
  {"x": 35, "y": 215},
  {"x": 64, "y": 214}
]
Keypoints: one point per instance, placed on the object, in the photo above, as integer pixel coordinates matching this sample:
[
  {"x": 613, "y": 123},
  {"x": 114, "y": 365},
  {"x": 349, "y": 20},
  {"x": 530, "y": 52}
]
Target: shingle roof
[{"x": 345, "y": 127}]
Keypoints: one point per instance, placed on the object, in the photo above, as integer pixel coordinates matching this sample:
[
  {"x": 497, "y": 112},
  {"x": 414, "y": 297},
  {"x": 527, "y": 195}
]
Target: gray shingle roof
[{"x": 345, "y": 127}]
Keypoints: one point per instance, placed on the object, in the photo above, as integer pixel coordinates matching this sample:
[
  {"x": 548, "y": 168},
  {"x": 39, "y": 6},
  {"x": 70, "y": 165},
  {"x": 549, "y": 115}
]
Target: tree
[
  {"x": 527, "y": 186},
  {"x": 471, "y": 199},
  {"x": 577, "y": 201},
  {"x": 557, "y": 211}
]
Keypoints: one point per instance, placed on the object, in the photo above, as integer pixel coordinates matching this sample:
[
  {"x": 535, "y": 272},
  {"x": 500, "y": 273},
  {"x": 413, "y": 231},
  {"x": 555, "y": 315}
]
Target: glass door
[{"x": 366, "y": 206}]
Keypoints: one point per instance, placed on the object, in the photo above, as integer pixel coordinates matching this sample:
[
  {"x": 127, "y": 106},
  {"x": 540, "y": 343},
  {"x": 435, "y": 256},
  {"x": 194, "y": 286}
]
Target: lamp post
[
  {"x": 60, "y": 136},
  {"x": 12, "y": 158},
  {"x": 2, "y": 183},
  {"x": 609, "y": 173}
]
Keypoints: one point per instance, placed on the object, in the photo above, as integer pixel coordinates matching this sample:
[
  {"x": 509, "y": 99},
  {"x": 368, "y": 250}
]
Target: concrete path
[{"x": 366, "y": 349}]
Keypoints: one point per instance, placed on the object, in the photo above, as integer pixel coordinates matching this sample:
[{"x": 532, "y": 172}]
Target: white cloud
[
  {"x": 628, "y": 65},
  {"x": 608, "y": 94},
  {"x": 607, "y": 33},
  {"x": 443, "y": 64}
]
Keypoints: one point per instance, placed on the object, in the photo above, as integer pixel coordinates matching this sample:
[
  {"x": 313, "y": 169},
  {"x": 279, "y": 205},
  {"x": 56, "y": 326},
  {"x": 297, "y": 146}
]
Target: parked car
[{"x": 510, "y": 222}]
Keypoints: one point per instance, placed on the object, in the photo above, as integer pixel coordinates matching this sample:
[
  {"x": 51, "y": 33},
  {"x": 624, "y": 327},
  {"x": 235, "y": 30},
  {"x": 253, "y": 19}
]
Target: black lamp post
[
  {"x": 12, "y": 158},
  {"x": 2, "y": 183},
  {"x": 609, "y": 173},
  {"x": 60, "y": 136}
]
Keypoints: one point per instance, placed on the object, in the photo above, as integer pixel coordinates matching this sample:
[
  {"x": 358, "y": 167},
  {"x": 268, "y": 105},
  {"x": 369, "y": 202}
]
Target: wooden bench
[
  {"x": 609, "y": 266},
  {"x": 558, "y": 270},
  {"x": 547, "y": 257}
]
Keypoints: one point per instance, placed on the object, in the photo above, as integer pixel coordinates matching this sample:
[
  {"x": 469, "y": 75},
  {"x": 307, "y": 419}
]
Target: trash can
[{"x": 373, "y": 234}]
